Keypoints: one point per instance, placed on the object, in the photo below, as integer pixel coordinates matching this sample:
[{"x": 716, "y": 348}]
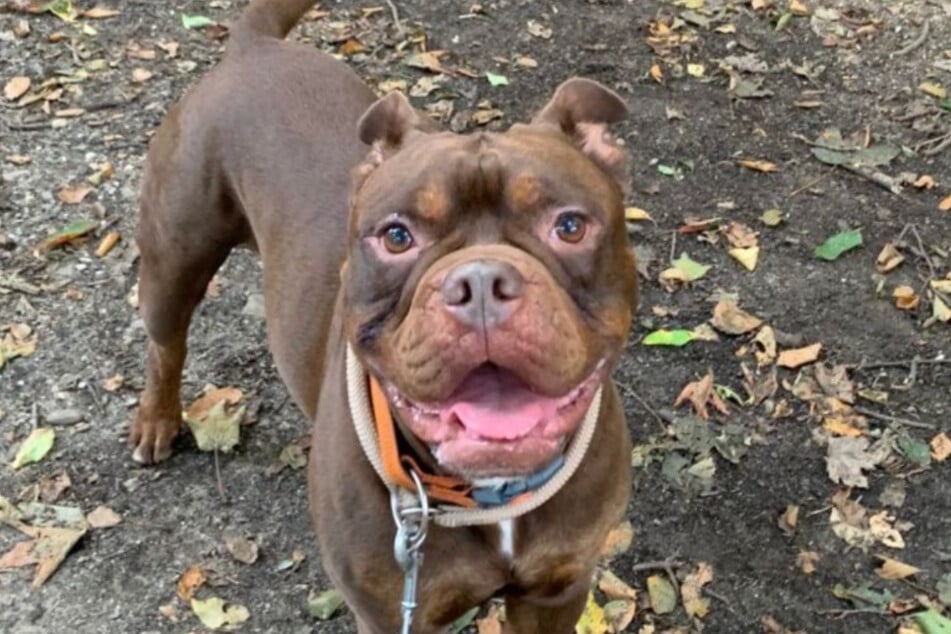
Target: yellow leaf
[
  {"x": 906, "y": 298},
  {"x": 16, "y": 88},
  {"x": 942, "y": 286},
  {"x": 758, "y": 165},
  {"x": 726, "y": 28},
  {"x": 747, "y": 257},
  {"x": 35, "y": 447},
  {"x": 940, "y": 447},
  {"x": 695, "y": 70},
  {"x": 691, "y": 591},
  {"x": 635, "y": 214},
  {"x": 889, "y": 258},
  {"x": 796, "y": 357},
  {"x": 940, "y": 310},
  {"x": 839, "y": 427},
  {"x": 618, "y": 540},
  {"x": 214, "y": 420},
  {"x": 798, "y": 8},
  {"x": 189, "y": 581},
  {"x": 213, "y": 613},
  {"x": 657, "y": 74},
  {"x": 592, "y": 620},
  {"x": 662, "y": 595},
  {"x": 733, "y": 320},
  {"x": 945, "y": 204},
  {"x": 894, "y": 569},
  {"x": 73, "y": 195},
  {"x": 933, "y": 89}
]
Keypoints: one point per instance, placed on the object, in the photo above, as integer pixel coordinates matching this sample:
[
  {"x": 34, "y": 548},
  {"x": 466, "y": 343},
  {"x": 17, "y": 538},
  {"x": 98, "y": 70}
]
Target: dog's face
[{"x": 489, "y": 285}]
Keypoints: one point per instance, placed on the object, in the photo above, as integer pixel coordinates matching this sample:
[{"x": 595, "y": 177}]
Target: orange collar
[{"x": 444, "y": 488}]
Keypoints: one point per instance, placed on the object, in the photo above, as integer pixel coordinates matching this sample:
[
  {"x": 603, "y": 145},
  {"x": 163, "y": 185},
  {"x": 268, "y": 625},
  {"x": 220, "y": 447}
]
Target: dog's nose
[{"x": 482, "y": 293}]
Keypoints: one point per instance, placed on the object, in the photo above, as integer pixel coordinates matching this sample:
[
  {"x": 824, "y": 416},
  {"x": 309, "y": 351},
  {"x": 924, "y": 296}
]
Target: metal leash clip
[{"x": 412, "y": 522}]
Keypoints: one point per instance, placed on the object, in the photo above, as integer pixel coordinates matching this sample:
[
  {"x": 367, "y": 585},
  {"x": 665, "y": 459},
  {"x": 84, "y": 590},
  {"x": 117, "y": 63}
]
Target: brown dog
[{"x": 484, "y": 282}]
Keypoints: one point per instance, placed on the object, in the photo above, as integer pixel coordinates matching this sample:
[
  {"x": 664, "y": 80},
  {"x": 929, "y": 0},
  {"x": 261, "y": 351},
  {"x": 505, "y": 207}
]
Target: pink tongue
[{"x": 494, "y": 405}]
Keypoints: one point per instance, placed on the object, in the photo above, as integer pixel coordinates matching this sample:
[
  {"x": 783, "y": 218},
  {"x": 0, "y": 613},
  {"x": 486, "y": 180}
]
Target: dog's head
[{"x": 488, "y": 284}]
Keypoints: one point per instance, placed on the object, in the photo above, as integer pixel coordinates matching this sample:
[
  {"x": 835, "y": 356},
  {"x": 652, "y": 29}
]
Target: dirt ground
[{"x": 689, "y": 70}]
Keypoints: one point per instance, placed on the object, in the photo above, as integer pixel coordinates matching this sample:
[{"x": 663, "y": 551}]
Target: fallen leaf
[
  {"x": 526, "y": 62},
  {"x": 838, "y": 244},
  {"x": 806, "y": 561},
  {"x": 16, "y": 88},
  {"x": 141, "y": 75},
  {"x": 496, "y": 80},
  {"x": 536, "y": 29},
  {"x": 932, "y": 622},
  {"x": 696, "y": 70},
  {"x": 731, "y": 319},
  {"x": 940, "y": 447},
  {"x": 103, "y": 517},
  {"x": 847, "y": 458},
  {"x": 924, "y": 181},
  {"x": 244, "y": 550},
  {"x": 945, "y": 204},
  {"x": 796, "y": 357},
  {"x": 889, "y": 258},
  {"x": 52, "y": 488},
  {"x": 758, "y": 165},
  {"x": 100, "y": 13},
  {"x": 940, "y": 311},
  {"x": 704, "y": 332},
  {"x": 74, "y": 195},
  {"x": 189, "y": 582},
  {"x": 747, "y": 257},
  {"x": 18, "y": 342},
  {"x": 894, "y": 569},
  {"x": 592, "y": 620},
  {"x": 691, "y": 591},
  {"x": 765, "y": 343},
  {"x": 618, "y": 540},
  {"x": 789, "y": 519},
  {"x": 702, "y": 395},
  {"x": 906, "y": 298},
  {"x": 35, "y": 447},
  {"x": 683, "y": 270},
  {"x": 614, "y": 588},
  {"x": 219, "y": 429},
  {"x": 619, "y": 614},
  {"x": 771, "y": 217},
  {"x": 839, "y": 427},
  {"x": 215, "y": 614},
  {"x": 212, "y": 395},
  {"x": 881, "y": 529},
  {"x": 796, "y": 7},
  {"x": 676, "y": 338},
  {"x": 491, "y": 623},
  {"x": 46, "y": 550},
  {"x": 113, "y": 383},
  {"x": 657, "y": 74},
  {"x": 634, "y": 214},
  {"x": 933, "y": 89},
  {"x": 196, "y": 21},
  {"x": 663, "y": 598},
  {"x": 324, "y": 605}
]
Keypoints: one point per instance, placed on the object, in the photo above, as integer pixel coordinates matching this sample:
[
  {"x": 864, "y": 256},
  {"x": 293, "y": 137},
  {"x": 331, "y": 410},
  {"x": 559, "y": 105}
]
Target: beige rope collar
[{"x": 450, "y": 516}]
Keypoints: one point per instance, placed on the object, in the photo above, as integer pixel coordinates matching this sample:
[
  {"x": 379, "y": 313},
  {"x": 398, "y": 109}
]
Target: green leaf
[
  {"x": 196, "y": 21},
  {"x": 666, "y": 170},
  {"x": 67, "y": 234},
  {"x": 497, "y": 80},
  {"x": 772, "y": 217},
  {"x": 676, "y": 338},
  {"x": 863, "y": 595},
  {"x": 691, "y": 269},
  {"x": 838, "y": 244},
  {"x": 62, "y": 9},
  {"x": 783, "y": 21},
  {"x": 219, "y": 429},
  {"x": 915, "y": 450},
  {"x": 945, "y": 105},
  {"x": 35, "y": 447},
  {"x": 663, "y": 597},
  {"x": 325, "y": 604},
  {"x": 463, "y": 621},
  {"x": 881, "y": 154},
  {"x": 932, "y": 622},
  {"x": 944, "y": 589}
]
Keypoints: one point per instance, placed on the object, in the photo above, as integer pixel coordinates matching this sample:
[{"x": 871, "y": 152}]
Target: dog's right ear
[{"x": 388, "y": 123}]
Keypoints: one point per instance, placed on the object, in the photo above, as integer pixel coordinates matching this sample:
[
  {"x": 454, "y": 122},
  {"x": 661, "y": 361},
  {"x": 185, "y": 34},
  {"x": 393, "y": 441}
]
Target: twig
[
  {"x": 36, "y": 416},
  {"x": 722, "y": 599},
  {"x": 650, "y": 410},
  {"x": 95, "y": 398},
  {"x": 894, "y": 419},
  {"x": 811, "y": 184},
  {"x": 396, "y": 16},
  {"x": 901, "y": 363},
  {"x": 673, "y": 245},
  {"x": 937, "y": 143},
  {"x": 879, "y": 178},
  {"x": 844, "y": 613},
  {"x": 659, "y": 564},
  {"x": 915, "y": 43},
  {"x": 909, "y": 381},
  {"x": 221, "y": 485}
]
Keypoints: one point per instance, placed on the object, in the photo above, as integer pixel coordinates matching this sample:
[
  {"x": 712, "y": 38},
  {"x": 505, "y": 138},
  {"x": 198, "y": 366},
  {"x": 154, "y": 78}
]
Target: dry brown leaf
[
  {"x": 732, "y": 320},
  {"x": 47, "y": 550},
  {"x": 894, "y": 569},
  {"x": 614, "y": 587},
  {"x": 765, "y": 343},
  {"x": 839, "y": 427},
  {"x": 758, "y": 165},
  {"x": 889, "y": 258},
  {"x": 796, "y": 357},
  {"x": 789, "y": 519},
  {"x": 906, "y": 298},
  {"x": 924, "y": 182},
  {"x": 618, "y": 541},
  {"x": 212, "y": 396},
  {"x": 702, "y": 395},
  {"x": 806, "y": 561},
  {"x": 16, "y": 87},
  {"x": 113, "y": 383},
  {"x": 107, "y": 243},
  {"x": 69, "y": 113},
  {"x": 193, "y": 578},
  {"x": 880, "y": 526},
  {"x": 100, "y": 13},
  {"x": 52, "y": 488},
  {"x": 73, "y": 195},
  {"x": 141, "y": 75},
  {"x": 657, "y": 73},
  {"x": 740, "y": 235},
  {"x": 940, "y": 447},
  {"x": 103, "y": 517},
  {"x": 691, "y": 591},
  {"x": 945, "y": 204},
  {"x": 796, "y": 7}
]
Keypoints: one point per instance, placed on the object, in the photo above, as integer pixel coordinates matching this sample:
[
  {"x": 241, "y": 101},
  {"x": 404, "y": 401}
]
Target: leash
[{"x": 411, "y": 489}]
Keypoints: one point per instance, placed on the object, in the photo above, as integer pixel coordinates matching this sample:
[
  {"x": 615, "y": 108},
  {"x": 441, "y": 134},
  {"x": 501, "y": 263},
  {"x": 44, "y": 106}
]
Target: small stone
[
  {"x": 64, "y": 417},
  {"x": 254, "y": 307}
]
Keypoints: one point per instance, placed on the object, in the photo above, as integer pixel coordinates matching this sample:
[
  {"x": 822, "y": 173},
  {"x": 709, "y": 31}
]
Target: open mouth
[{"x": 495, "y": 424}]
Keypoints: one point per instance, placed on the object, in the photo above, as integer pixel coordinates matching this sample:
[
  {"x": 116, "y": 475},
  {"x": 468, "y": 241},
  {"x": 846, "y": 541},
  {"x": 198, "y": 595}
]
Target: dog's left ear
[
  {"x": 583, "y": 109},
  {"x": 390, "y": 121}
]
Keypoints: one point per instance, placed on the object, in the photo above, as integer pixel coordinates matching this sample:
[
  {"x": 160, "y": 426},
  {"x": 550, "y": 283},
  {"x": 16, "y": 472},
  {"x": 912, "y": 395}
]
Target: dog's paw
[{"x": 151, "y": 437}]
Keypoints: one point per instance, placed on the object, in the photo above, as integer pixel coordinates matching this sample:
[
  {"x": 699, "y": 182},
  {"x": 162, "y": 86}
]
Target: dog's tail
[{"x": 269, "y": 19}]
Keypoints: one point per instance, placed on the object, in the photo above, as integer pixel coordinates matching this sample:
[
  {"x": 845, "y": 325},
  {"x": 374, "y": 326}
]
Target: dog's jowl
[{"x": 446, "y": 309}]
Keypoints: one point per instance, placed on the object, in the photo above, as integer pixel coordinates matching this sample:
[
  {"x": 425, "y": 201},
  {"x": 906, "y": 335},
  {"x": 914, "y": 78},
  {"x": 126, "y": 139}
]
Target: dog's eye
[
  {"x": 397, "y": 238},
  {"x": 571, "y": 227}
]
